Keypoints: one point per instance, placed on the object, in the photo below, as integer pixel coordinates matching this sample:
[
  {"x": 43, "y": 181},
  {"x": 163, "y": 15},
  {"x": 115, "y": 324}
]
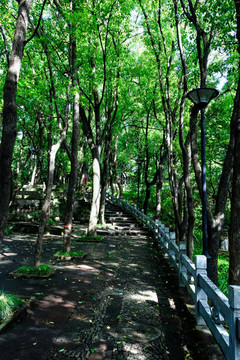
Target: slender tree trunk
[
  {"x": 160, "y": 184},
  {"x": 147, "y": 197},
  {"x": 73, "y": 177},
  {"x": 10, "y": 112},
  {"x": 216, "y": 220},
  {"x": 47, "y": 201},
  {"x": 82, "y": 170},
  {"x": 158, "y": 199},
  {"x": 234, "y": 238},
  {"x": 103, "y": 194},
  {"x": 147, "y": 183},
  {"x": 92, "y": 226},
  {"x": 105, "y": 179},
  {"x": 111, "y": 182},
  {"x": 119, "y": 185},
  {"x": 51, "y": 169},
  {"x": 116, "y": 178},
  {"x": 234, "y": 235},
  {"x": 75, "y": 140},
  {"x": 34, "y": 171},
  {"x": 186, "y": 153},
  {"x": 175, "y": 186}
]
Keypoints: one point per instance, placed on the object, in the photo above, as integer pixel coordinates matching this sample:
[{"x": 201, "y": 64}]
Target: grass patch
[
  {"x": 86, "y": 238},
  {"x": 42, "y": 270},
  {"x": 69, "y": 255},
  {"x": 8, "y": 305}
]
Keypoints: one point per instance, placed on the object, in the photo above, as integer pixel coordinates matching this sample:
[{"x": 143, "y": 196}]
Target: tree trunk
[
  {"x": 146, "y": 200},
  {"x": 75, "y": 140},
  {"x": 234, "y": 238},
  {"x": 103, "y": 197},
  {"x": 72, "y": 178},
  {"x": 158, "y": 199},
  {"x": 47, "y": 202},
  {"x": 105, "y": 179},
  {"x": 33, "y": 177},
  {"x": 186, "y": 153},
  {"x": 92, "y": 226},
  {"x": 10, "y": 112},
  {"x": 234, "y": 235},
  {"x": 117, "y": 182},
  {"x": 216, "y": 221}
]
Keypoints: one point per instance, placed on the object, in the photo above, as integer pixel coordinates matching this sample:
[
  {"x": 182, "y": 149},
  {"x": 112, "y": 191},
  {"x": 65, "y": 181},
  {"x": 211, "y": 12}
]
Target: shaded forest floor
[{"x": 120, "y": 302}]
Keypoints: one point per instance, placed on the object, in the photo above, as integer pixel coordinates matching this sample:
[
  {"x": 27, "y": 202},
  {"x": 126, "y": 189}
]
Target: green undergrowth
[
  {"x": 8, "y": 304},
  {"x": 8, "y": 230},
  {"x": 61, "y": 253},
  {"x": 223, "y": 268},
  {"x": 42, "y": 270},
  {"x": 91, "y": 238},
  {"x": 223, "y": 262}
]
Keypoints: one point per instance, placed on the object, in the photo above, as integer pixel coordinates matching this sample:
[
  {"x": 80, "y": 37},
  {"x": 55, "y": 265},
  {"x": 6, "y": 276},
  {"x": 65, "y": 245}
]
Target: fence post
[
  {"x": 150, "y": 223},
  {"x": 234, "y": 324},
  {"x": 162, "y": 234},
  {"x": 135, "y": 210},
  {"x": 156, "y": 230},
  {"x": 181, "y": 268},
  {"x": 166, "y": 241},
  {"x": 172, "y": 255},
  {"x": 159, "y": 233},
  {"x": 201, "y": 269}
]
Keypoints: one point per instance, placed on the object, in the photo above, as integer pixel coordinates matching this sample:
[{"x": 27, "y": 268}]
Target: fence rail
[{"x": 212, "y": 307}]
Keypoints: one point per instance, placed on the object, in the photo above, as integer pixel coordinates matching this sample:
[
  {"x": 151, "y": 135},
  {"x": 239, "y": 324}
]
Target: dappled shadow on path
[{"x": 121, "y": 302}]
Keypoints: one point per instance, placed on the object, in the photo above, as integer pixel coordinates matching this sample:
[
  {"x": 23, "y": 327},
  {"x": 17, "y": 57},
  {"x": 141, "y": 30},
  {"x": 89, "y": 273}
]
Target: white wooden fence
[{"x": 212, "y": 307}]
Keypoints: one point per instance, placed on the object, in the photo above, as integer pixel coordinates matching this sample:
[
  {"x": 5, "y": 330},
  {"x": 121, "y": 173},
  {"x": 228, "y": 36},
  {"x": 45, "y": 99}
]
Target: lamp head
[{"x": 202, "y": 96}]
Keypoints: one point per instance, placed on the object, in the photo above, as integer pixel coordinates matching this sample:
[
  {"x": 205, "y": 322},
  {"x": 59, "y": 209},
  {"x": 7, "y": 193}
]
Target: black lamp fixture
[{"x": 202, "y": 97}]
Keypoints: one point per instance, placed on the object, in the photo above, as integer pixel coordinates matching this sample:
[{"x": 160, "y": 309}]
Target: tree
[
  {"x": 98, "y": 111},
  {"x": 10, "y": 111},
  {"x": 163, "y": 47},
  {"x": 75, "y": 138},
  {"x": 234, "y": 238},
  {"x": 53, "y": 149},
  {"x": 205, "y": 36}
]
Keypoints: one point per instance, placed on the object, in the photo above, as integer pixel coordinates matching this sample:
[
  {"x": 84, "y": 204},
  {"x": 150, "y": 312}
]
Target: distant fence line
[{"x": 193, "y": 277}]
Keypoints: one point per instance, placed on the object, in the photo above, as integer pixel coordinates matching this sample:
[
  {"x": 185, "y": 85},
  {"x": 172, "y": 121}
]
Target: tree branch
[
  {"x": 39, "y": 21},
  {"x": 5, "y": 43}
]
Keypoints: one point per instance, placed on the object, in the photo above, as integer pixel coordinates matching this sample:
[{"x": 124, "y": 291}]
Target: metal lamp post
[{"x": 202, "y": 97}]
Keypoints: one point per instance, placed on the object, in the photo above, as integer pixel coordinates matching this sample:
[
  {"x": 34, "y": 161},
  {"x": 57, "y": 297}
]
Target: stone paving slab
[{"x": 121, "y": 302}]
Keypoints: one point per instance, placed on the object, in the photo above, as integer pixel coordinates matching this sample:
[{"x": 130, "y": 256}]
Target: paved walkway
[{"x": 121, "y": 302}]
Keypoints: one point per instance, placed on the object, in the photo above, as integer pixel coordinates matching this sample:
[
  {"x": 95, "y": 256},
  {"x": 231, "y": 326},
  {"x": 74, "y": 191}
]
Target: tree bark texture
[
  {"x": 95, "y": 147},
  {"x": 47, "y": 200},
  {"x": 10, "y": 112},
  {"x": 105, "y": 177},
  {"x": 73, "y": 177},
  {"x": 148, "y": 183},
  {"x": 53, "y": 149},
  {"x": 92, "y": 226},
  {"x": 234, "y": 234},
  {"x": 104, "y": 186},
  {"x": 75, "y": 142},
  {"x": 186, "y": 153}
]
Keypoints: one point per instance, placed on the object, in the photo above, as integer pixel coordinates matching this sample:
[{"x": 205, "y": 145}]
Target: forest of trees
[{"x": 98, "y": 88}]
